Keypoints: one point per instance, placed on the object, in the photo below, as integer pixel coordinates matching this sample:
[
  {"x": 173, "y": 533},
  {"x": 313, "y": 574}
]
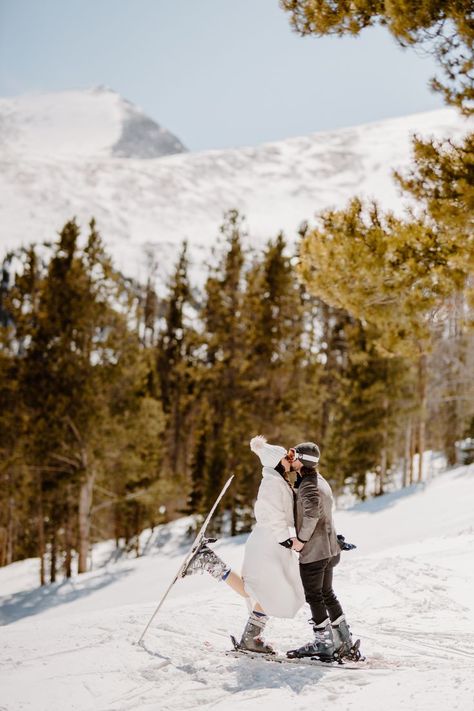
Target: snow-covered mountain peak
[
  {"x": 80, "y": 153},
  {"x": 95, "y": 122}
]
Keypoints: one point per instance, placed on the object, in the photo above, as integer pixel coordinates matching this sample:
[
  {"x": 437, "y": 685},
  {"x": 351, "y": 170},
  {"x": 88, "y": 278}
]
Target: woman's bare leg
[{"x": 237, "y": 584}]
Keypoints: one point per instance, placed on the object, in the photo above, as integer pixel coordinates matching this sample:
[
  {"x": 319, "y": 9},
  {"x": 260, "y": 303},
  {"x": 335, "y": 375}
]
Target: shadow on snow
[
  {"x": 31, "y": 602},
  {"x": 256, "y": 674},
  {"x": 380, "y": 503}
]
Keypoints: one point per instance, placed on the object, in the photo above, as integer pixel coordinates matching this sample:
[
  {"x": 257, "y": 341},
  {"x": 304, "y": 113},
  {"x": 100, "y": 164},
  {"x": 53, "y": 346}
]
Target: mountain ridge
[{"x": 146, "y": 207}]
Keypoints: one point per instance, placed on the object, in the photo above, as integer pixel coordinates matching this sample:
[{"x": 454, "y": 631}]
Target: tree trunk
[
  {"x": 411, "y": 472},
  {"x": 383, "y": 454},
  {"x": 40, "y": 520},
  {"x": 407, "y": 454},
  {"x": 117, "y": 525},
  {"x": 452, "y": 429},
  {"x": 325, "y": 406},
  {"x": 85, "y": 505},
  {"x": 10, "y": 530},
  {"x": 422, "y": 415},
  {"x": 233, "y": 518},
  {"x": 361, "y": 489},
  {"x": 3, "y": 546},
  {"x": 54, "y": 550},
  {"x": 137, "y": 530},
  {"x": 68, "y": 538},
  {"x": 383, "y": 472}
]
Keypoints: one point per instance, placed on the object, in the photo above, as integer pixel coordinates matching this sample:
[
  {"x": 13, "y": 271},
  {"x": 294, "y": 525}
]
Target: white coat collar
[{"x": 269, "y": 471}]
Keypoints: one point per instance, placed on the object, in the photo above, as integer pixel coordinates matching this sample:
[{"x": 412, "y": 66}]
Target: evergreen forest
[{"x": 125, "y": 405}]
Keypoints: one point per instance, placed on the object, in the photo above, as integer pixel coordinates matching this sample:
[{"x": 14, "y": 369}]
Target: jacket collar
[{"x": 269, "y": 471}]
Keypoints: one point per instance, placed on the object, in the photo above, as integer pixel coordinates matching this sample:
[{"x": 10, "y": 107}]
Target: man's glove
[{"x": 343, "y": 545}]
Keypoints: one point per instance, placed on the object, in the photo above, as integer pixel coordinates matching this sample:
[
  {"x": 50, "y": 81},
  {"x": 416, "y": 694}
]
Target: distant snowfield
[
  {"x": 92, "y": 153},
  {"x": 406, "y": 590}
]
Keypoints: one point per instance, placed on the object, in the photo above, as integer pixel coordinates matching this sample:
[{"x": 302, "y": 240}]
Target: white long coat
[{"x": 271, "y": 572}]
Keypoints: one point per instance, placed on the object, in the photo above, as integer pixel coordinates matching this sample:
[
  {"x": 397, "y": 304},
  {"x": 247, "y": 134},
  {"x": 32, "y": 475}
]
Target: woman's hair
[{"x": 280, "y": 469}]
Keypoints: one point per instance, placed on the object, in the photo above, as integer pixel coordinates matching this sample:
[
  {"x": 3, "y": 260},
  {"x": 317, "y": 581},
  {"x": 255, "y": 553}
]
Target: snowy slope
[
  {"x": 80, "y": 159},
  {"x": 407, "y": 590}
]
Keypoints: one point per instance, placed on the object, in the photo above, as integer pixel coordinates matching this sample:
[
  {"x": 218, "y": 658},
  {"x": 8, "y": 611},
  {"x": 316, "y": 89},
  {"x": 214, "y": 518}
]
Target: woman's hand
[{"x": 297, "y": 545}]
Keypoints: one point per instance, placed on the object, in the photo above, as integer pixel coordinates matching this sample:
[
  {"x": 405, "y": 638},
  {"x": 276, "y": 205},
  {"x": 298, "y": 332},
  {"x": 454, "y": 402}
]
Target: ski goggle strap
[{"x": 308, "y": 457}]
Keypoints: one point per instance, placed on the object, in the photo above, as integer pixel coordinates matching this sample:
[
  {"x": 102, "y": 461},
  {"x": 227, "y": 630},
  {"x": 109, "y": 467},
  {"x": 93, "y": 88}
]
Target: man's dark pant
[{"x": 317, "y": 583}]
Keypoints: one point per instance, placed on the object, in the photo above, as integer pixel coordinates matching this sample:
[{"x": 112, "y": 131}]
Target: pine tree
[
  {"x": 131, "y": 471},
  {"x": 276, "y": 355},
  {"x": 273, "y": 308},
  {"x": 363, "y": 429},
  {"x": 198, "y": 468},
  {"x": 20, "y": 306},
  {"x": 60, "y": 384},
  {"x": 175, "y": 366},
  {"x": 221, "y": 382},
  {"x": 441, "y": 177},
  {"x": 402, "y": 273},
  {"x": 17, "y": 538},
  {"x": 69, "y": 334}
]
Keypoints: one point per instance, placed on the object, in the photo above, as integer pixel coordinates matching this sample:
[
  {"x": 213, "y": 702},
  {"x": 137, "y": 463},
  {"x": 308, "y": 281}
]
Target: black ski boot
[
  {"x": 252, "y": 640},
  {"x": 205, "y": 559},
  {"x": 322, "y": 646}
]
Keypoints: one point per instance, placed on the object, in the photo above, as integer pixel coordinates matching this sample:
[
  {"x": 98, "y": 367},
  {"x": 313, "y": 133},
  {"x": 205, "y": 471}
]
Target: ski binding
[{"x": 336, "y": 663}]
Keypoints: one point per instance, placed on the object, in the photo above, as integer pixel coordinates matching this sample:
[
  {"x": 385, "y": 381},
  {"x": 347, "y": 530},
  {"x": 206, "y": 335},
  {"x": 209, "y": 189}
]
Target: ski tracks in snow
[
  {"x": 414, "y": 631},
  {"x": 410, "y": 605},
  {"x": 91, "y": 662}
]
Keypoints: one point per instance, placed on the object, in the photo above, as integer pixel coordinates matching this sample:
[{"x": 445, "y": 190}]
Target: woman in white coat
[{"x": 270, "y": 572}]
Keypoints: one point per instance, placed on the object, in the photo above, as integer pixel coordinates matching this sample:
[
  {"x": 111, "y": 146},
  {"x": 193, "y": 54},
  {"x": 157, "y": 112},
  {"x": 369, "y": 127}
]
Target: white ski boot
[
  {"x": 206, "y": 560},
  {"x": 342, "y": 635},
  {"x": 345, "y": 646},
  {"x": 322, "y": 647}
]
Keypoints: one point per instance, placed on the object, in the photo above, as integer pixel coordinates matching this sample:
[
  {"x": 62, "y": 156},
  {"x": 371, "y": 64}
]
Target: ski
[
  {"x": 238, "y": 652},
  {"x": 196, "y": 543}
]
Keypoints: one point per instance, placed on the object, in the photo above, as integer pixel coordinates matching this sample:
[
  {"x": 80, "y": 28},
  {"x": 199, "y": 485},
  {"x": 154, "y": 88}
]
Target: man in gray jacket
[{"x": 319, "y": 550}]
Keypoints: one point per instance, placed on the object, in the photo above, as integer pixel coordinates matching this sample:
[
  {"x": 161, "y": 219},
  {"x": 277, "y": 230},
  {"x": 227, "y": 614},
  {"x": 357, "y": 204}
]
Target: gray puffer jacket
[{"x": 314, "y": 520}]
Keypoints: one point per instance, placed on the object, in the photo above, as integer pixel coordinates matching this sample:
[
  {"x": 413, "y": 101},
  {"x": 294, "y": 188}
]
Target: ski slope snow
[
  {"x": 407, "y": 591},
  {"x": 93, "y": 154}
]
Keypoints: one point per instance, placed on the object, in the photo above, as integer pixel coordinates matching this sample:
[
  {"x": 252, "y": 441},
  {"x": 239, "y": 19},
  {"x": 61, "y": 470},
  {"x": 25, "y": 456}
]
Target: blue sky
[{"x": 218, "y": 73}]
